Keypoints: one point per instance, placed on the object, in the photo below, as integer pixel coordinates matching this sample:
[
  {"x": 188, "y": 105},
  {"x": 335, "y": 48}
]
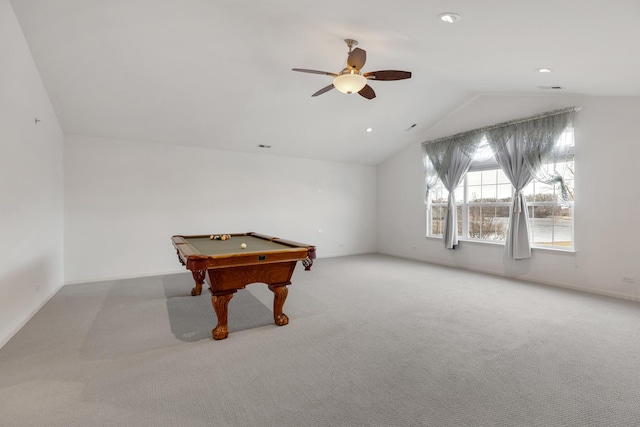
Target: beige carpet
[{"x": 372, "y": 341}]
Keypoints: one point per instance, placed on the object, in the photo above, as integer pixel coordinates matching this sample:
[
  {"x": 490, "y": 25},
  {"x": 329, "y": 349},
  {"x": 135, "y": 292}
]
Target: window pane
[
  {"x": 489, "y": 177},
  {"x": 438, "y": 195},
  {"x": 474, "y": 178},
  {"x": 489, "y": 193},
  {"x": 563, "y": 227},
  {"x": 437, "y": 220},
  {"x": 475, "y": 193},
  {"x": 545, "y": 211},
  {"x": 529, "y": 191},
  {"x": 488, "y": 186},
  {"x": 488, "y": 222},
  {"x": 475, "y": 222},
  {"x": 545, "y": 192},
  {"x": 552, "y": 226},
  {"x": 502, "y": 178},
  {"x": 502, "y": 222},
  {"x": 504, "y": 192},
  {"x": 503, "y": 212}
]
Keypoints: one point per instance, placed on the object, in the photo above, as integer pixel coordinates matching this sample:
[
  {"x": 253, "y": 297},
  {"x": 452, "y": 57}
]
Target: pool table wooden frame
[{"x": 230, "y": 268}]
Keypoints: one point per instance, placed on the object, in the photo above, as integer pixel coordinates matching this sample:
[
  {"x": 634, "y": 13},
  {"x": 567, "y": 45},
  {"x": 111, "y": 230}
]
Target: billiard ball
[
  {"x": 211, "y": 237},
  {"x": 243, "y": 246}
]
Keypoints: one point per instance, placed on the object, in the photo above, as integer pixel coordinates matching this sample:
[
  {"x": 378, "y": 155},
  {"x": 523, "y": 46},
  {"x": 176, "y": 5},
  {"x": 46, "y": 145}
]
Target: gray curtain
[
  {"x": 545, "y": 154},
  {"x": 511, "y": 159},
  {"x": 526, "y": 151},
  {"x": 450, "y": 159}
]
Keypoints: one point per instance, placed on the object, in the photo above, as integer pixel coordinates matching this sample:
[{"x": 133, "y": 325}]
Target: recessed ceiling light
[
  {"x": 369, "y": 130},
  {"x": 449, "y": 17},
  {"x": 544, "y": 70}
]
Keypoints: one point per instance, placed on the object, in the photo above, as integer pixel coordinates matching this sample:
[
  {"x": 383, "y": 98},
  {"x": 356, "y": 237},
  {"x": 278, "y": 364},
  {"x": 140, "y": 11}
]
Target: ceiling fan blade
[
  {"x": 357, "y": 58},
  {"x": 388, "y": 75},
  {"x": 303, "y": 70},
  {"x": 323, "y": 90},
  {"x": 367, "y": 92}
]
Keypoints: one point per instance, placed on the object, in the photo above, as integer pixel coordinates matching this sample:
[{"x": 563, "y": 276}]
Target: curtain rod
[{"x": 505, "y": 124}]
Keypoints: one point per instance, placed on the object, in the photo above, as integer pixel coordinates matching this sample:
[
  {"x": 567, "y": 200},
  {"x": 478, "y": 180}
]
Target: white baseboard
[
  {"x": 132, "y": 276},
  {"x": 541, "y": 282},
  {"x": 5, "y": 340}
]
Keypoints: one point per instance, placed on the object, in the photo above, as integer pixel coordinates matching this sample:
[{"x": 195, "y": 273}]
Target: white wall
[
  {"x": 125, "y": 199},
  {"x": 607, "y": 198},
  {"x": 31, "y": 184}
]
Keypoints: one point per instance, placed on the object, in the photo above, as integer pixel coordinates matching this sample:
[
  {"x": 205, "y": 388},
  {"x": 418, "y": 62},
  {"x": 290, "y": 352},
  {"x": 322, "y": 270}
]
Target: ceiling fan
[{"x": 351, "y": 79}]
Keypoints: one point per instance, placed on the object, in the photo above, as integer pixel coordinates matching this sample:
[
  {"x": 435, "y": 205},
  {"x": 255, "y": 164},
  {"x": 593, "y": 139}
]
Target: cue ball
[
  {"x": 243, "y": 246},
  {"x": 211, "y": 237}
]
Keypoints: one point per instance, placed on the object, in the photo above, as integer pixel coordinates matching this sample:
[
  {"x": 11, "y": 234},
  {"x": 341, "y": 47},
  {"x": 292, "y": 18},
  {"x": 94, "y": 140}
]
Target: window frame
[{"x": 463, "y": 208}]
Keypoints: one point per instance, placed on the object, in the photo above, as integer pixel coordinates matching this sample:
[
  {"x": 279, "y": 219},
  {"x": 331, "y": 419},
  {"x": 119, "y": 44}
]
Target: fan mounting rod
[{"x": 351, "y": 43}]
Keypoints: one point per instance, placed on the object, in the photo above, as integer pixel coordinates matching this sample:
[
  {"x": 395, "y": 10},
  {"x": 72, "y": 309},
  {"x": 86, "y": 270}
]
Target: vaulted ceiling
[{"x": 217, "y": 73}]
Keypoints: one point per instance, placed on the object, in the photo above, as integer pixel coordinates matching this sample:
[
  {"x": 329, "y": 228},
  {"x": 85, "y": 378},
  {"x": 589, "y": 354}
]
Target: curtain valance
[{"x": 507, "y": 126}]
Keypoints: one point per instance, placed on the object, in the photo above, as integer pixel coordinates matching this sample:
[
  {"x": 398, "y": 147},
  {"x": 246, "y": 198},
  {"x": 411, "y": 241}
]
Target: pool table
[{"x": 227, "y": 266}]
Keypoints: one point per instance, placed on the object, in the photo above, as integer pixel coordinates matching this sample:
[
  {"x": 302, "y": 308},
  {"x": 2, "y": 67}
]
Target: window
[
  {"x": 484, "y": 199},
  {"x": 550, "y": 220}
]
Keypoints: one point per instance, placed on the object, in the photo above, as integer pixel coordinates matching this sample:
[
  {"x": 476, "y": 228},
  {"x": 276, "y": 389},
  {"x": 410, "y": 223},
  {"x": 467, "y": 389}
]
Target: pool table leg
[
  {"x": 280, "y": 293},
  {"x": 220, "y": 306},
  {"x": 307, "y": 263},
  {"x": 198, "y": 276}
]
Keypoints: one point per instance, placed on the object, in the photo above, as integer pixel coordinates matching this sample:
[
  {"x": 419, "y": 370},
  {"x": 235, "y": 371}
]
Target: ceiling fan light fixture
[
  {"x": 351, "y": 79},
  {"x": 350, "y": 82}
]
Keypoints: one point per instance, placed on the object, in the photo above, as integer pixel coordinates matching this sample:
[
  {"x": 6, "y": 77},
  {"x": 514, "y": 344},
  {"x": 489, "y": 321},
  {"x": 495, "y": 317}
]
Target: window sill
[{"x": 533, "y": 248}]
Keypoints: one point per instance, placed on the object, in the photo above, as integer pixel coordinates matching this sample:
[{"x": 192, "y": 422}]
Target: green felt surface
[{"x": 206, "y": 246}]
